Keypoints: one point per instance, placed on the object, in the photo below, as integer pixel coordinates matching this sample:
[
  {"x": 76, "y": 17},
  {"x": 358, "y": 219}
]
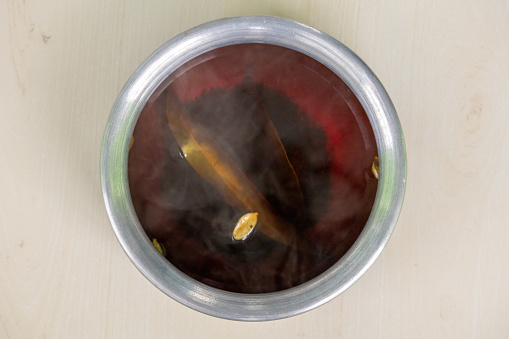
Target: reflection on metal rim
[{"x": 304, "y": 39}]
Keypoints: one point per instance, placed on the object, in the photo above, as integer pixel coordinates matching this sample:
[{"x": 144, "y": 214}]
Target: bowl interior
[{"x": 278, "y": 136}]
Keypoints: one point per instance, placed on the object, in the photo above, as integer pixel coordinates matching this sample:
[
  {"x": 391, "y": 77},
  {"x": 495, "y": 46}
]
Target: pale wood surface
[{"x": 444, "y": 273}]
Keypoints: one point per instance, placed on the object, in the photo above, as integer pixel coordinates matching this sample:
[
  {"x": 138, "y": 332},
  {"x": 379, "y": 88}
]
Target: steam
[{"x": 192, "y": 219}]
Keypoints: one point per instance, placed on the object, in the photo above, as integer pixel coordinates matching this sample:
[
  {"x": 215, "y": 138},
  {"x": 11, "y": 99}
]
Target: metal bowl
[{"x": 326, "y": 50}]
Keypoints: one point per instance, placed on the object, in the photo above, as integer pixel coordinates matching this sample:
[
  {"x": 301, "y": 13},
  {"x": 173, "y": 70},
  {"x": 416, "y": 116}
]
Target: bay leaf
[{"x": 213, "y": 164}]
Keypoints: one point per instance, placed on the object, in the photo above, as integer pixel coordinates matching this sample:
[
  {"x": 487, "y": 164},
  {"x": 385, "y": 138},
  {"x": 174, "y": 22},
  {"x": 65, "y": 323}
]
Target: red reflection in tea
[{"x": 292, "y": 130}]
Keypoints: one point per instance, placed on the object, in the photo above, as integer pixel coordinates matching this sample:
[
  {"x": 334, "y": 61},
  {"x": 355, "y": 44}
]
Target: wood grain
[{"x": 444, "y": 273}]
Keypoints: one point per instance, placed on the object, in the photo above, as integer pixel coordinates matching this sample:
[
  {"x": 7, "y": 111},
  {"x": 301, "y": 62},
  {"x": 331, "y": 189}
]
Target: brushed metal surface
[{"x": 323, "y": 48}]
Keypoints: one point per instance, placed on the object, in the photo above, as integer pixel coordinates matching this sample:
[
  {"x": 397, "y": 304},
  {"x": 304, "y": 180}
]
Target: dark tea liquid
[{"x": 287, "y": 127}]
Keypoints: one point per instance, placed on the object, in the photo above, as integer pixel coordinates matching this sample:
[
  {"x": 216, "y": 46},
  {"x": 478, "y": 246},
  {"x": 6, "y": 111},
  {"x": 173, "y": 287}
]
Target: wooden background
[{"x": 444, "y": 273}]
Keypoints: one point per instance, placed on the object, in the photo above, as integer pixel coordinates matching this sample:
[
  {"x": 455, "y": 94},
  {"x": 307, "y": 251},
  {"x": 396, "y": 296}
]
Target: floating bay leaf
[
  {"x": 293, "y": 192},
  {"x": 209, "y": 160}
]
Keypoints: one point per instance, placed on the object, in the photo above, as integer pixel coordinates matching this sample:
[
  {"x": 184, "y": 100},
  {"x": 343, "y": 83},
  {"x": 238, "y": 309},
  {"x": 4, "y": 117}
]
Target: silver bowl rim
[{"x": 266, "y": 30}]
